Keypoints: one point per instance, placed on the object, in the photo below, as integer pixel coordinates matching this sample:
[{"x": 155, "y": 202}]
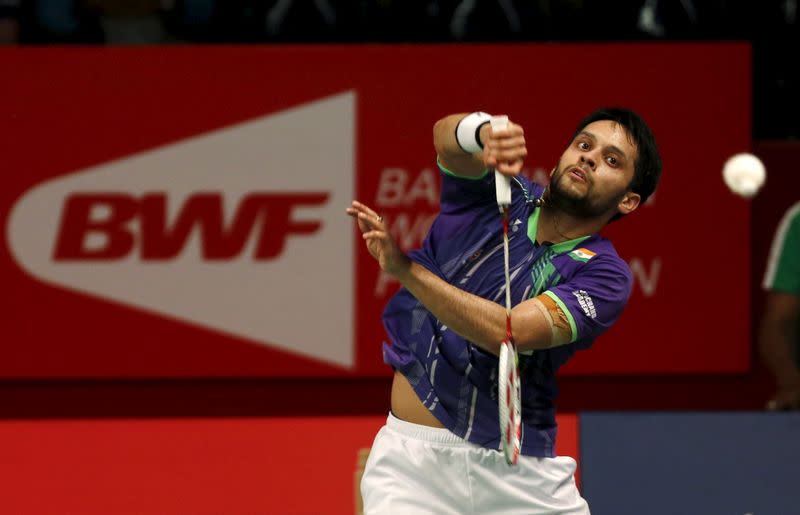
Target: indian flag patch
[{"x": 582, "y": 254}]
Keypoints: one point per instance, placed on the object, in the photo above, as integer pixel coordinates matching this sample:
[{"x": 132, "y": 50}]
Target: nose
[{"x": 589, "y": 160}]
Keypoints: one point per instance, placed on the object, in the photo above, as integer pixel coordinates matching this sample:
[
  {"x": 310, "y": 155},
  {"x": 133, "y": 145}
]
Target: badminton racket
[{"x": 508, "y": 387}]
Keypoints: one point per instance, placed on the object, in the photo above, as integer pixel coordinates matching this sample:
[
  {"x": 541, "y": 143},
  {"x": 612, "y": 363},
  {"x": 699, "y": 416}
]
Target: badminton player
[{"x": 439, "y": 451}]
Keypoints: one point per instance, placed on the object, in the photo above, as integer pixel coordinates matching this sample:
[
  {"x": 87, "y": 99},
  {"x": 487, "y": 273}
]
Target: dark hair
[{"x": 647, "y": 166}]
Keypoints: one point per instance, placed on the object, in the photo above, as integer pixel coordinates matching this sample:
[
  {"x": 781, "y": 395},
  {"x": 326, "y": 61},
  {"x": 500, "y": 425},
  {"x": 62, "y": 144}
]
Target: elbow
[
  {"x": 532, "y": 344},
  {"x": 531, "y": 329}
]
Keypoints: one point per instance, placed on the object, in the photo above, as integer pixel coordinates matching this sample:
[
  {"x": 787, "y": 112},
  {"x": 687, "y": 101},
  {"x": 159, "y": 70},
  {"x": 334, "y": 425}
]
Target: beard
[{"x": 586, "y": 204}]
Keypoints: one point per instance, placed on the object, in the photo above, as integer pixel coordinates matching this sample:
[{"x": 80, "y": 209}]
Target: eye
[
  {"x": 583, "y": 145},
  {"x": 613, "y": 161}
]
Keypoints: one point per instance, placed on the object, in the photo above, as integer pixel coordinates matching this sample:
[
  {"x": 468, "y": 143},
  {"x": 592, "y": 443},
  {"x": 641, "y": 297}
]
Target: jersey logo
[
  {"x": 585, "y": 301},
  {"x": 582, "y": 255}
]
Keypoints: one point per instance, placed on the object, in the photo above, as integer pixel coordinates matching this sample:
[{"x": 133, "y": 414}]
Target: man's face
[{"x": 594, "y": 172}]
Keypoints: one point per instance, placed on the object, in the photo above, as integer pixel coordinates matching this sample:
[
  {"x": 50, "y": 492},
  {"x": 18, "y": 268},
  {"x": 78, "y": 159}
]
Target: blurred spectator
[
  {"x": 779, "y": 335},
  {"x": 190, "y": 20},
  {"x": 9, "y": 22},
  {"x": 130, "y": 22},
  {"x": 278, "y": 15},
  {"x": 58, "y": 22},
  {"x": 399, "y": 20},
  {"x": 507, "y": 25},
  {"x": 776, "y": 82},
  {"x": 770, "y": 25}
]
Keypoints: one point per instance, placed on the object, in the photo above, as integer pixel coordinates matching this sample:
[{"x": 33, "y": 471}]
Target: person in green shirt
[{"x": 779, "y": 334}]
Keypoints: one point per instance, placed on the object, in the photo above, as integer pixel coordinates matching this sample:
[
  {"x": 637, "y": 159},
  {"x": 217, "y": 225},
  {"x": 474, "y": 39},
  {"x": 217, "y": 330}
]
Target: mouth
[{"x": 577, "y": 173}]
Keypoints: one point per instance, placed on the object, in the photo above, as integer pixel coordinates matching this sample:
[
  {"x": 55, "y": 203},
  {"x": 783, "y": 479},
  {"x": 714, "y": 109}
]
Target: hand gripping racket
[{"x": 508, "y": 388}]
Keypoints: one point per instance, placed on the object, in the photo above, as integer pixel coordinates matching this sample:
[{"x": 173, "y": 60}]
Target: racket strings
[{"x": 510, "y": 406}]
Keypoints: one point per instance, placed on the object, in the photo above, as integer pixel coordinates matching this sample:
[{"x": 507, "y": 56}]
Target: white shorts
[{"x": 418, "y": 469}]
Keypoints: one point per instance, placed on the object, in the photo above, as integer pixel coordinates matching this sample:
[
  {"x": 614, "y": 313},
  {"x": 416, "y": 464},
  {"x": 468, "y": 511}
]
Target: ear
[{"x": 629, "y": 202}]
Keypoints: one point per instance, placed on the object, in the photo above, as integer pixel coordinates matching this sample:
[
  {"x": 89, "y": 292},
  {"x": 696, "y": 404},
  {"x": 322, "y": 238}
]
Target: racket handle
[{"x": 502, "y": 183}]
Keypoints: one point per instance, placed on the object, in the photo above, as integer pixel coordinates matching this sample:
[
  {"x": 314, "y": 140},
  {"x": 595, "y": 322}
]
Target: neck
[{"x": 557, "y": 226}]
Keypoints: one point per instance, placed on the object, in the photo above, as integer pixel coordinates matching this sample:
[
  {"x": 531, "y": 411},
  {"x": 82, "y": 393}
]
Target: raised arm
[
  {"x": 504, "y": 151},
  {"x": 479, "y": 320}
]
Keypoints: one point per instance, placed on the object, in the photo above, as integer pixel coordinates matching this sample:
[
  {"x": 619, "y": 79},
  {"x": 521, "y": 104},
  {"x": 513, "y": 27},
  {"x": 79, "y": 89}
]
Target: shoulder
[
  {"x": 783, "y": 265},
  {"x": 794, "y": 211},
  {"x": 787, "y": 234},
  {"x": 598, "y": 253},
  {"x": 596, "y": 264},
  {"x": 792, "y": 217}
]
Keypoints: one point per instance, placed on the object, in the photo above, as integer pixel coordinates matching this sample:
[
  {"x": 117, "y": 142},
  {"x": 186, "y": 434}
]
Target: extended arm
[
  {"x": 535, "y": 322},
  {"x": 777, "y": 335},
  {"x": 478, "y": 320}
]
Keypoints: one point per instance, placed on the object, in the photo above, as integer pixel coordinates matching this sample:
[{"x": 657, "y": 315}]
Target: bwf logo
[
  {"x": 99, "y": 226},
  {"x": 235, "y": 230}
]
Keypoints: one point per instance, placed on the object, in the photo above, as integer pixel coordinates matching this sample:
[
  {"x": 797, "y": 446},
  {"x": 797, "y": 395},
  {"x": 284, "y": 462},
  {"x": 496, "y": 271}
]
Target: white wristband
[{"x": 468, "y": 129}]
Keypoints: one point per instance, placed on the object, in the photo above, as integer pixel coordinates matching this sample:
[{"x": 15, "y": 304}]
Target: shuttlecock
[{"x": 744, "y": 174}]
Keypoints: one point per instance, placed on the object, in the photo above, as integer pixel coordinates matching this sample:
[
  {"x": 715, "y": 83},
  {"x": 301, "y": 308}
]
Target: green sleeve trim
[
  {"x": 457, "y": 176},
  {"x": 563, "y": 307}
]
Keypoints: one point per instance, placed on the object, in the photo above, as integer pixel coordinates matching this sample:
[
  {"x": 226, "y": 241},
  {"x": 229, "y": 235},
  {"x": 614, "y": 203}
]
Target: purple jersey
[{"x": 456, "y": 380}]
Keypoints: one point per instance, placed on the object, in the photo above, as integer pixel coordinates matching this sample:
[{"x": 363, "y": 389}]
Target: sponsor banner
[
  {"x": 195, "y": 465},
  {"x": 710, "y": 464},
  {"x": 179, "y": 212},
  {"x": 191, "y": 465}
]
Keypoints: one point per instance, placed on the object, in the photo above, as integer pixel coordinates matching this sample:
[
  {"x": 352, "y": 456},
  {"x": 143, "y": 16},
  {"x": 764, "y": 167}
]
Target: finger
[
  {"x": 365, "y": 209},
  {"x": 374, "y": 221},
  {"x": 509, "y": 165},
  {"x": 506, "y": 146},
  {"x": 354, "y": 214},
  {"x": 369, "y": 215},
  {"x": 504, "y": 170},
  {"x": 499, "y": 146},
  {"x": 509, "y": 156},
  {"x": 505, "y": 136},
  {"x": 356, "y": 208},
  {"x": 509, "y": 168},
  {"x": 367, "y": 219},
  {"x": 511, "y": 131},
  {"x": 495, "y": 134},
  {"x": 506, "y": 143},
  {"x": 374, "y": 235}
]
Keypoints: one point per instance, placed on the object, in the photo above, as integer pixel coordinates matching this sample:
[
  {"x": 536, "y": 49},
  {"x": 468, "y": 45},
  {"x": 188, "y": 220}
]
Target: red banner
[
  {"x": 177, "y": 212},
  {"x": 196, "y": 465}
]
